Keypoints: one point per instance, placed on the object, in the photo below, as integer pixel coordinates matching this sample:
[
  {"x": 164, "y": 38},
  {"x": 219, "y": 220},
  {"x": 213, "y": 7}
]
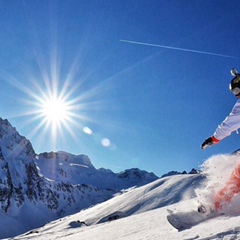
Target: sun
[{"x": 55, "y": 110}]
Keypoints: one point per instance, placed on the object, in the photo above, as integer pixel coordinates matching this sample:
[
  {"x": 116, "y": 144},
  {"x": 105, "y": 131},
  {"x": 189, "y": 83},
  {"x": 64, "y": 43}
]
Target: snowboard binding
[{"x": 202, "y": 209}]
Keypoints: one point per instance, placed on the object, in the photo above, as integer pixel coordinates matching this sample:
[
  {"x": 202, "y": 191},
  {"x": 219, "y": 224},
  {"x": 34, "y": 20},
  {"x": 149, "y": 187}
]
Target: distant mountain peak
[
  {"x": 136, "y": 174},
  {"x": 171, "y": 173},
  {"x": 67, "y": 158}
]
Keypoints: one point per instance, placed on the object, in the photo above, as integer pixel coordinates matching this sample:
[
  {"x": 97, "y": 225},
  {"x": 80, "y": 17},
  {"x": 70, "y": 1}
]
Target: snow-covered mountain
[
  {"x": 75, "y": 169},
  {"x": 42, "y": 187}
]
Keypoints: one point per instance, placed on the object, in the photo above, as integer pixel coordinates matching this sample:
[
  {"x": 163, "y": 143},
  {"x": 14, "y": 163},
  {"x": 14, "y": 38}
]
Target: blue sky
[{"x": 126, "y": 105}]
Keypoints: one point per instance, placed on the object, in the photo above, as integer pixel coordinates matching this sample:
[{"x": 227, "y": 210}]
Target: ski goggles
[{"x": 235, "y": 91}]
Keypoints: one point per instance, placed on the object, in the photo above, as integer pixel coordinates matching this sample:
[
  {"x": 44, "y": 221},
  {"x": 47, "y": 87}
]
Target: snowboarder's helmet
[
  {"x": 234, "y": 85},
  {"x": 234, "y": 72}
]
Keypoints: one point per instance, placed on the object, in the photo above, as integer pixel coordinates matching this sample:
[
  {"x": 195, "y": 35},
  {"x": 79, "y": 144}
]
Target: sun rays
[{"x": 55, "y": 106}]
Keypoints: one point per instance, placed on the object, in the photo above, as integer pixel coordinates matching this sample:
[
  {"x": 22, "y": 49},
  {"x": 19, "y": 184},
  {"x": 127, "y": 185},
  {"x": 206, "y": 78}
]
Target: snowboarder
[{"x": 230, "y": 124}]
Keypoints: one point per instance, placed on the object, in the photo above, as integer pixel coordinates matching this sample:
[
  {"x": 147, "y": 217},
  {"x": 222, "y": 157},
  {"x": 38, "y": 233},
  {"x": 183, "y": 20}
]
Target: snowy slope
[
  {"x": 150, "y": 225},
  {"x": 141, "y": 212},
  {"x": 137, "y": 202}
]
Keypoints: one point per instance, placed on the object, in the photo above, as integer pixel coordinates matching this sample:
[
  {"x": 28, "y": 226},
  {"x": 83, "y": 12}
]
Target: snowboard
[{"x": 185, "y": 220}]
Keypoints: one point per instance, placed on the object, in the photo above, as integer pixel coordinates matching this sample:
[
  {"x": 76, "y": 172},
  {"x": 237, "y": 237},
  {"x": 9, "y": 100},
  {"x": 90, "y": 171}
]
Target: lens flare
[
  {"x": 87, "y": 130},
  {"x": 105, "y": 142}
]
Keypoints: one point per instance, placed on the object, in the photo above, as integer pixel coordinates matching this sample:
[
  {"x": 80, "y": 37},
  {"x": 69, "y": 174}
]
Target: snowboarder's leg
[{"x": 231, "y": 188}]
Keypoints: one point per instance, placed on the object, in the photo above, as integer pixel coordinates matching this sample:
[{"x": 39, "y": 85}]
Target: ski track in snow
[{"x": 142, "y": 211}]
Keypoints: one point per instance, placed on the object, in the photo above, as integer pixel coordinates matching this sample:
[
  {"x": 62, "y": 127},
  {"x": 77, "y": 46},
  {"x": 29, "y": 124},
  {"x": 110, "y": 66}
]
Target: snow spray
[{"x": 217, "y": 170}]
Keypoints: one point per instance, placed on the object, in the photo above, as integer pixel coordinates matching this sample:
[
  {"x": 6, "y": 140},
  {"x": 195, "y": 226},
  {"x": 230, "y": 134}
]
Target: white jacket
[{"x": 230, "y": 124}]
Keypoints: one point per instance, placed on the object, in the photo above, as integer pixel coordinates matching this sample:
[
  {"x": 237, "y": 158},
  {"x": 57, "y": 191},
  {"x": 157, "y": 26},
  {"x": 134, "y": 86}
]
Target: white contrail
[{"x": 179, "y": 49}]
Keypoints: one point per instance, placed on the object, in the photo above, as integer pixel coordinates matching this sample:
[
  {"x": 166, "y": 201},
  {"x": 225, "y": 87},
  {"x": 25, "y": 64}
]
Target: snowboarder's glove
[{"x": 209, "y": 142}]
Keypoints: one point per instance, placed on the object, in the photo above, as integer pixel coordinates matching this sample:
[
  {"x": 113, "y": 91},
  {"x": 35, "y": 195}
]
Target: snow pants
[{"x": 230, "y": 189}]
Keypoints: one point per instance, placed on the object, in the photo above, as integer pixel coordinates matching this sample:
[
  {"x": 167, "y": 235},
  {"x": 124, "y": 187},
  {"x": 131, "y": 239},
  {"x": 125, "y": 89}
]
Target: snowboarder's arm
[{"x": 230, "y": 124}]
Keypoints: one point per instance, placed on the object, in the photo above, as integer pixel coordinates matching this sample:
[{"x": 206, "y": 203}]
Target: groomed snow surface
[{"x": 140, "y": 213}]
